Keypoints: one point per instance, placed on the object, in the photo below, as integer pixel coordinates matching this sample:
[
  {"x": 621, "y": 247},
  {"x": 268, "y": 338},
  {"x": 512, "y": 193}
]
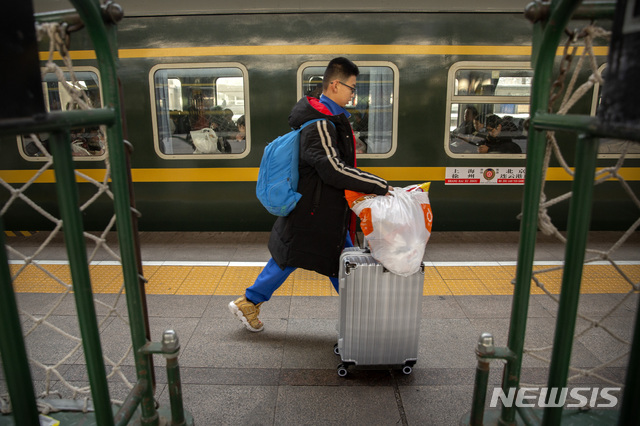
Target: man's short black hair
[
  {"x": 493, "y": 121},
  {"x": 339, "y": 69}
]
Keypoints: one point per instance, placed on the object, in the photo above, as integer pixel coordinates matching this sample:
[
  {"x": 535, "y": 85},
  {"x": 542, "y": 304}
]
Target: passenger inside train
[
  {"x": 471, "y": 123},
  {"x": 495, "y": 140},
  {"x": 471, "y": 130}
]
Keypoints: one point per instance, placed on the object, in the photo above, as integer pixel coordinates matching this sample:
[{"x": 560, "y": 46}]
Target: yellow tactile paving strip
[{"x": 229, "y": 279}]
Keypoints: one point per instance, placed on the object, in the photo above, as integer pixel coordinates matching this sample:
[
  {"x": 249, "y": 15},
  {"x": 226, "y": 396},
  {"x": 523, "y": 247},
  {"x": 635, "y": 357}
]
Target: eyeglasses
[{"x": 353, "y": 89}]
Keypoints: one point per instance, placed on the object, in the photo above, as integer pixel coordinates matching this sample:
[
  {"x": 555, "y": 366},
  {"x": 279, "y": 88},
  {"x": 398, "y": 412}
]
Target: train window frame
[
  {"x": 396, "y": 98},
  {"x": 101, "y": 157},
  {"x": 453, "y": 99},
  {"x": 154, "y": 112},
  {"x": 595, "y": 102}
]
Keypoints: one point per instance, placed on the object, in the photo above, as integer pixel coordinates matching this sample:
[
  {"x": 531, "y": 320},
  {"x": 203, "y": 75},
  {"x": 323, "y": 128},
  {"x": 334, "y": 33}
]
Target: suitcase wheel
[
  {"x": 336, "y": 350},
  {"x": 342, "y": 370},
  {"x": 407, "y": 369}
]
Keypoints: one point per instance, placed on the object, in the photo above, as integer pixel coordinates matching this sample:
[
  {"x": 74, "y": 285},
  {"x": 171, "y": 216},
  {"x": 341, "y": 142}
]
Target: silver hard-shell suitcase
[{"x": 380, "y": 313}]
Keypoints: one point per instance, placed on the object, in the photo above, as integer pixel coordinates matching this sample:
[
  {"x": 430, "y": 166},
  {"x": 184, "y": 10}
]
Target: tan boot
[{"x": 248, "y": 313}]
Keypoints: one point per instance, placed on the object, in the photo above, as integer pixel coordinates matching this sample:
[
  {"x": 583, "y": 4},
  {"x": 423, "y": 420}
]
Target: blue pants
[{"x": 272, "y": 277}]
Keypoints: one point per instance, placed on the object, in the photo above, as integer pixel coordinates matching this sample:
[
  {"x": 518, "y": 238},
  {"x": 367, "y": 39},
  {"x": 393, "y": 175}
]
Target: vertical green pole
[
  {"x": 479, "y": 393},
  {"x": 90, "y": 13},
  {"x": 12, "y": 348},
  {"x": 76, "y": 250},
  {"x": 546, "y": 38},
  {"x": 171, "y": 349},
  {"x": 175, "y": 390},
  {"x": 577, "y": 233},
  {"x": 526, "y": 251}
]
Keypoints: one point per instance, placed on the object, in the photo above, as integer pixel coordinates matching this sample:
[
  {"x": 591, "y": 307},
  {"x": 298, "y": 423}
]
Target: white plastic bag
[
  {"x": 396, "y": 226},
  {"x": 205, "y": 140}
]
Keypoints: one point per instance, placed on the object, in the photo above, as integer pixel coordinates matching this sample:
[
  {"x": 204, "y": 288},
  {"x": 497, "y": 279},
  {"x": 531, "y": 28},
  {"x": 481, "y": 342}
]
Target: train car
[{"x": 207, "y": 84}]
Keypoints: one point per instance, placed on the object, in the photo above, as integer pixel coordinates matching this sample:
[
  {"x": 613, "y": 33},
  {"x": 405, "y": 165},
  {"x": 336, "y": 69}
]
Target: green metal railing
[
  {"x": 14, "y": 354},
  {"x": 550, "y": 20},
  {"x": 100, "y": 22}
]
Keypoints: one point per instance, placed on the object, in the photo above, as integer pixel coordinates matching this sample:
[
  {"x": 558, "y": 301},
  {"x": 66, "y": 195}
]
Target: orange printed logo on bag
[
  {"x": 365, "y": 221},
  {"x": 428, "y": 216}
]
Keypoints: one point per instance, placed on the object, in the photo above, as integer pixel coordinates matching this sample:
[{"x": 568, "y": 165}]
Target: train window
[
  {"x": 200, "y": 110},
  {"x": 611, "y": 148},
  {"x": 488, "y": 104},
  {"x": 373, "y": 110},
  {"x": 86, "y": 143}
]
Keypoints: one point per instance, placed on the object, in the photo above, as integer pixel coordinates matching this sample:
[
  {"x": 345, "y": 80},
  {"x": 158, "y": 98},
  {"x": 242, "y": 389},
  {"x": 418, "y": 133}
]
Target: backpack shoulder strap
[{"x": 313, "y": 121}]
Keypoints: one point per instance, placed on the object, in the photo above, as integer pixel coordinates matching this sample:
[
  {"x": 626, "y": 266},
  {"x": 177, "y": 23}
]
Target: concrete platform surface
[{"x": 287, "y": 374}]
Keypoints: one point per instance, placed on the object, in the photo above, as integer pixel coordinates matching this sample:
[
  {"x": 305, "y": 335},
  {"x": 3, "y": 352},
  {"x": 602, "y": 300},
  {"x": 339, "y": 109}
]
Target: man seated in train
[
  {"x": 495, "y": 141},
  {"x": 470, "y": 132},
  {"x": 242, "y": 128},
  {"x": 469, "y": 125}
]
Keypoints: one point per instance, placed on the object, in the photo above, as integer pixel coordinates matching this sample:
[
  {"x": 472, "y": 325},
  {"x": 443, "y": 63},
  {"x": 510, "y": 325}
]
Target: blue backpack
[{"x": 278, "y": 175}]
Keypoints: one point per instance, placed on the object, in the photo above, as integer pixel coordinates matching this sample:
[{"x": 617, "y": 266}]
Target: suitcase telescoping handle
[{"x": 348, "y": 265}]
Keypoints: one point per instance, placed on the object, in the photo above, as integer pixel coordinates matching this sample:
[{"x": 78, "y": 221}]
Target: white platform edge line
[{"x": 240, "y": 264}]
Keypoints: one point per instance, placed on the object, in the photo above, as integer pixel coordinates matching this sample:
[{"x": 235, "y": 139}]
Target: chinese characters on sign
[{"x": 484, "y": 175}]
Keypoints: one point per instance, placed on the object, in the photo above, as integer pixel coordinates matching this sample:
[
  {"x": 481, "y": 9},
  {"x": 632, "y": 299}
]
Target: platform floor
[{"x": 286, "y": 374}]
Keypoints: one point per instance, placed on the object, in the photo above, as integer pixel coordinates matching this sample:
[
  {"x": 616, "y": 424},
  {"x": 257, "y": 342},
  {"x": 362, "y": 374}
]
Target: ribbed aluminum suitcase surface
[{"x": 379, "y": 312}]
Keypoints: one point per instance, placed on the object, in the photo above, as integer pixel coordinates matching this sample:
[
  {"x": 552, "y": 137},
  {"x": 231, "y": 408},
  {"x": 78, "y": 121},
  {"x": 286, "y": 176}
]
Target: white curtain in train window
[
  {"x": 380, "y": 109},
  {"x": 162, "y": 111}
]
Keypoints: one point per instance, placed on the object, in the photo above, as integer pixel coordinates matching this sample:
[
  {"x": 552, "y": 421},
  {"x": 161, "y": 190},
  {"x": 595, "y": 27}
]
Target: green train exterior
[{"x": 271, "y": 49}]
